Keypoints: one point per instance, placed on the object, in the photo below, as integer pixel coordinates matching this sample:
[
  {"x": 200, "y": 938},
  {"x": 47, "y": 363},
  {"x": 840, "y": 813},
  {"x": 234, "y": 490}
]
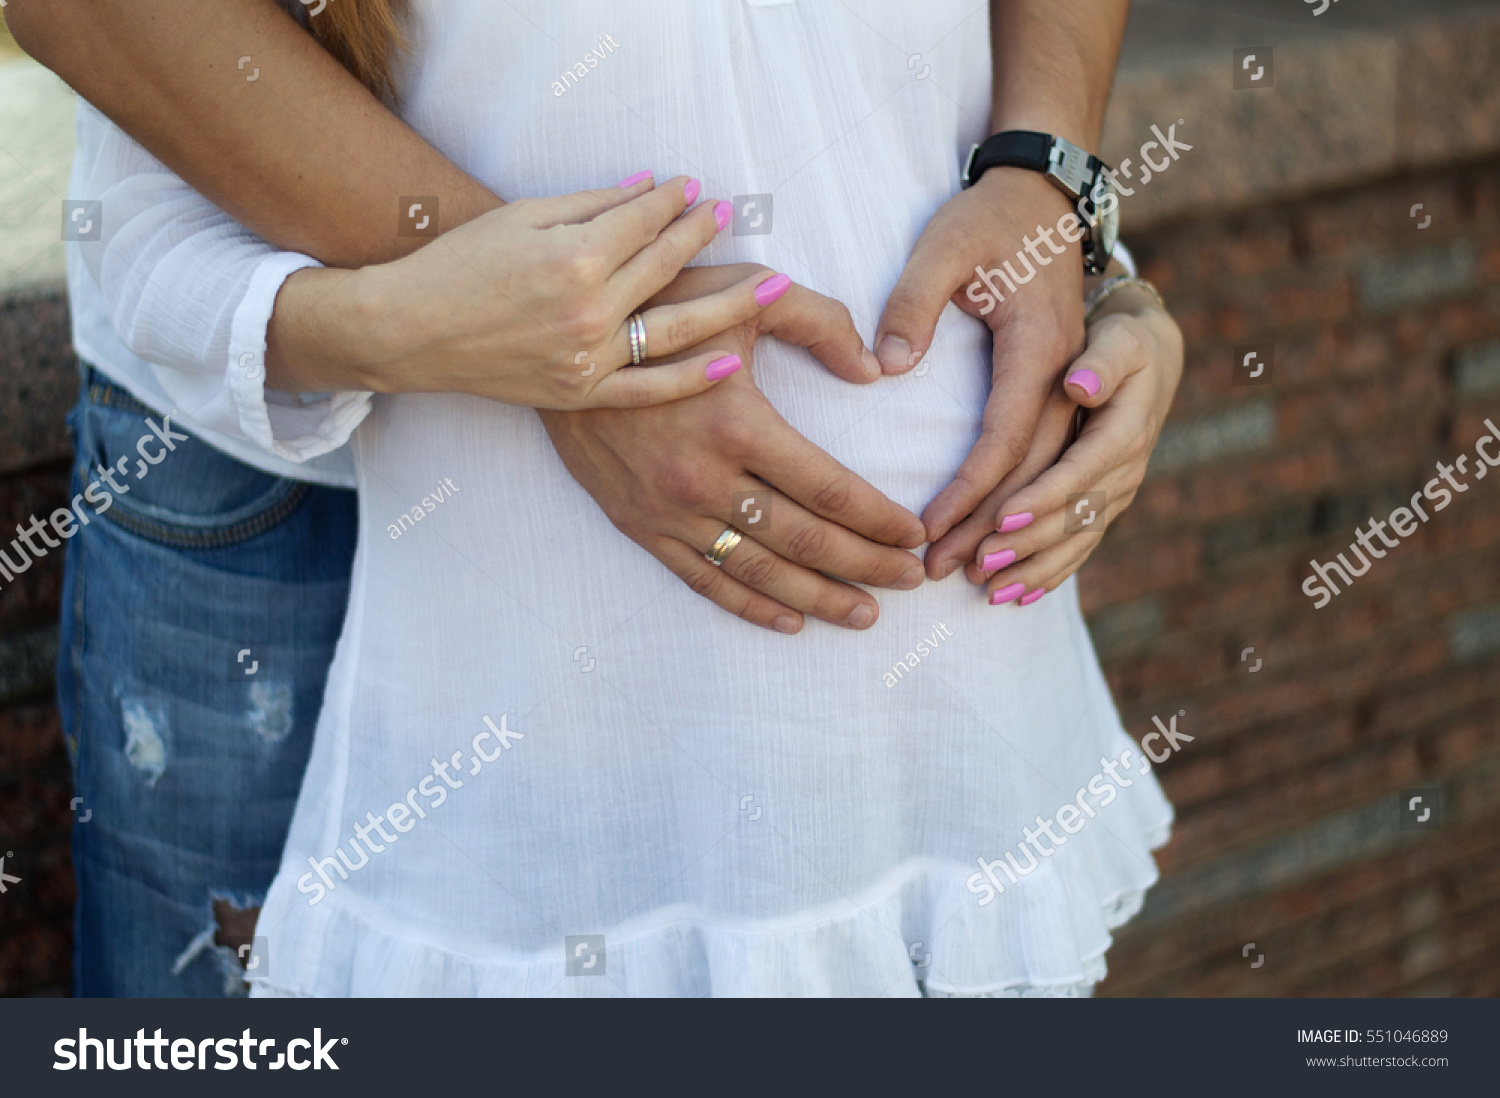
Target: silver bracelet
[{"x": 1099, "y": 293}]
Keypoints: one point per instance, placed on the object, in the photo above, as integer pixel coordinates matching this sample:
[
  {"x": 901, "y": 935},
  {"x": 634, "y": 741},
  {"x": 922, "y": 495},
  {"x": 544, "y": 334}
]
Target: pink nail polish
[
  {"x": 690, "y": 192},
  {"x": 771, "y": 289},
  {"x": 1011, "y": 523},
  {"x": 1027, "y": 600},
  {"x": 722, "y": 367},
  {"x": 1086, "y": 380},
  {"x": 996, "y": 561},
  {"x": 632, "y": 180},
  {"x": 723, "y": 211},
  {"x": 1008, "y": 593}
]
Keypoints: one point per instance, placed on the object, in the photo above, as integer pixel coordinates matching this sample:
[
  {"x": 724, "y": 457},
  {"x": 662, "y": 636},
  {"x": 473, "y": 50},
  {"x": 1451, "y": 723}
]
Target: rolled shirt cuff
[{"x": 293, "y": 426}]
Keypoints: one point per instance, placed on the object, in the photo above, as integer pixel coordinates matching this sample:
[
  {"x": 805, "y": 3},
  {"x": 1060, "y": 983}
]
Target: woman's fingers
[
  {"x": 1046, "y": 570},
  {"x": 722, "y": 589},
  {"x": 640, "y": 386},
  {"x": 1091, "y": 511},
  {"x": 625, "y": 230},
  {"x": 652, "y": 267},
  {"x": 683, "y": 324},
  {"x": 581, "y": 206},
  {"x": 1114, "y": 353},
  {"x": 764, "y": 570},
  {"x": 1112, "y": 437}
]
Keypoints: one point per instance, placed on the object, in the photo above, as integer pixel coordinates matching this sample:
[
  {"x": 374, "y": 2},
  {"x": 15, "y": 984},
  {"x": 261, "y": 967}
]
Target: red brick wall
[
  {"x": 38, "y": 382},
  {"x": 1386, "y": 360}
]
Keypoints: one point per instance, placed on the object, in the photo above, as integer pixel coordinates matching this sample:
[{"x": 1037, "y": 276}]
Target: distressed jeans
[{"x": 200, "y": 613}]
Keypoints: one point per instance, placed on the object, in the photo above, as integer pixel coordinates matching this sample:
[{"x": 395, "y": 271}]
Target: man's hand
[
  {"x": 1009, "y": 216},
  {"x": 666, "y": 477},
  {"x": 1127, "y": 378},
  {"x": 1052, "y": 62}
]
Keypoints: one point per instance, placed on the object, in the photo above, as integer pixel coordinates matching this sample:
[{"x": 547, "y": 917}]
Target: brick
[
  {"x": 32, "y": 597},
  {"x": 1240, "y": 429},
  {"x": 27, "y": 660},
  {"x": 29, "y": 734},
  {"x": 1414, "y": 278},
  {"x": 1475, "y": 633},
  {"x": 39, "y": 374},
  {"x": 1476, "y": 372}
]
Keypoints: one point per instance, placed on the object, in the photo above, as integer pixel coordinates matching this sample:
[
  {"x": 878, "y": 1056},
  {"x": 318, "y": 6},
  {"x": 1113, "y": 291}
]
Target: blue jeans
[{"x": 200, "y": 613}]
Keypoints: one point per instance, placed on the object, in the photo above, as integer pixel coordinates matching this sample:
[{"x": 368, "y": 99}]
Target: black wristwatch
[{"x": 1082, "y": 177}]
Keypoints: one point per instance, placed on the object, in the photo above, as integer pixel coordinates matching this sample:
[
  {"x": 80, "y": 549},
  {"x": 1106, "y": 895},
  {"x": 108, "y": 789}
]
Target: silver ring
[
  {"x": 723, "y": 547},
  {"x": 637, "y": 339}
]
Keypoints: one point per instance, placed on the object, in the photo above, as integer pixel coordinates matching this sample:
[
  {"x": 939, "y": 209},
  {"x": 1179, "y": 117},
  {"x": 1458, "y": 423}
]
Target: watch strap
[
  {"x": 1013, "y": 149},
  {"x": 1070, "y": 168}
]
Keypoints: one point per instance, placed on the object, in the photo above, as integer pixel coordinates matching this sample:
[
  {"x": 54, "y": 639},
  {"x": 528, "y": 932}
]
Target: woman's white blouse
[{"x": 544, "y": 766}]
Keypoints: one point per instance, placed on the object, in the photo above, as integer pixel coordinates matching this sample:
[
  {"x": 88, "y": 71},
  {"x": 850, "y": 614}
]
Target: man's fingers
[
  {"x": 722, "y": 589},
  {"x": 911, "y": 313},
  {"x": 809, "y": 319},
  {"x": 805, "y": 539},
  {"x": 761, "y": 569},
  {"x": 800, "y": 470},
  {"x": 1114, "y": 353},
  {"x": 959, "y": 544},
  {"x": 1015, "y": 403}
]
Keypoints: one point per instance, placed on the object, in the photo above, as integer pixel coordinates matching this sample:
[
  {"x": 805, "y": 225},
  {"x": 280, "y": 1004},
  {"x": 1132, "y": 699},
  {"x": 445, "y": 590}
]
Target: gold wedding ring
[{"x": 723, "y": 547}]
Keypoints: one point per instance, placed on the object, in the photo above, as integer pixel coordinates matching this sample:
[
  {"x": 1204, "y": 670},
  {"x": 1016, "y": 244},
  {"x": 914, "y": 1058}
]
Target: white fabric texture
[
  {"x": 172, "y": 302},
  {"x": 735, "y": 812}
]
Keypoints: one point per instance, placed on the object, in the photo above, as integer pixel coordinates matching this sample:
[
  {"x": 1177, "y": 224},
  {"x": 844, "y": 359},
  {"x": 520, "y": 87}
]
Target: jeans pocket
[{"x": 148, "y": 476}]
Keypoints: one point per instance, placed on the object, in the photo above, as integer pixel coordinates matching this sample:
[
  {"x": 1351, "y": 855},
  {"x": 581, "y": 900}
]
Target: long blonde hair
[{"x": 365, "y": 37}]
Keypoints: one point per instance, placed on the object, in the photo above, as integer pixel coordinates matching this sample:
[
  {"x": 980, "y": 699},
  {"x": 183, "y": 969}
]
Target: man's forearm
[
  {"x": 1054, "y": 62},
  {"x": 287, "y": 141}
]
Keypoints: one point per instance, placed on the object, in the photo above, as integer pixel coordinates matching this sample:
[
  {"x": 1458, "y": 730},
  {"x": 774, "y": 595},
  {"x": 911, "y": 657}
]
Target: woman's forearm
[{"x": 285, "y": 140}]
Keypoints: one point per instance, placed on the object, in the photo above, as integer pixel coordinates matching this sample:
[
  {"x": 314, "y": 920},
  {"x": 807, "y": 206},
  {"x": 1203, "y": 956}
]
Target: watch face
[
  {"x": 1105, "y": 229},
  {"x": 1109, "y": 228}
]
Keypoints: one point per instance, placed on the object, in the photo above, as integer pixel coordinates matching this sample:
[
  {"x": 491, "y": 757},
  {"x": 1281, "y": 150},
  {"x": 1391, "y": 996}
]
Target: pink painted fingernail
[
  {"x": 771, "y": 289},
  {"x": 1011, "y": 523},
  {"x": 996, "y": 561},
  {"x": 690, "y": 192},
  {"x": 723, "y": 211},
  {"x": 1086, "y": 380},
  {"x": 722, "y": 367},
  {"x": 1007, "y": 593},
  {"x": 632, "y": 180},
  {"x": 1027, "y": 600}
]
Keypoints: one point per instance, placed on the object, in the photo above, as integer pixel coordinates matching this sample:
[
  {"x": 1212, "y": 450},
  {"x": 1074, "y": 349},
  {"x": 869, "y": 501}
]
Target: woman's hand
[
  {"x": 1024, "y": 540},
  {"x": 667, "y": 476},
  {"x": 528, "y": 304}
]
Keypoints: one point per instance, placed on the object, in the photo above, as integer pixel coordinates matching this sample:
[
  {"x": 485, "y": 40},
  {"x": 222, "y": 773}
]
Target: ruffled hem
[{"x": 1044, "y": 936}]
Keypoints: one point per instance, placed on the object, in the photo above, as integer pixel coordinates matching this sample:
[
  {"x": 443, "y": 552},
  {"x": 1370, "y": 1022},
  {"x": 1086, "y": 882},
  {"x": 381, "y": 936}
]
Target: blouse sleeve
[{"x": 191, "y": 291}]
